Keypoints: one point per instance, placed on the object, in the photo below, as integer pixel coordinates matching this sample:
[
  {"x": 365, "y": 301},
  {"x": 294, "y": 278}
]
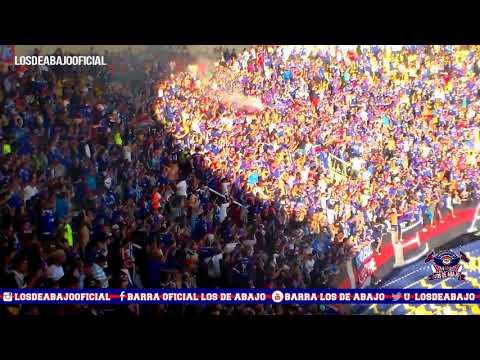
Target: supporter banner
[
  {"x": 416, "y": 240},
  {"x": 7, "y": 54},
  {"x": 254, "y": 296},
  {"x": 339, "y": 168},
  {"x": 365, "y": 264}
]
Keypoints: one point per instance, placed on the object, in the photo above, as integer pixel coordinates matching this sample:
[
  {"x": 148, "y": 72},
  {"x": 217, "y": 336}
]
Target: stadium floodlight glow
[{"x": 473, "y": 228}]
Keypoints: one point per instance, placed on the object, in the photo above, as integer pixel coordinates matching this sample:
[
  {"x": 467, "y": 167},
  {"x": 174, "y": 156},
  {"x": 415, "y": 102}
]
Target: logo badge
[
  {"x": 277, "y": 296},
  {"x": 446, "y": 264},
  {"x": 7, "y": 297}
]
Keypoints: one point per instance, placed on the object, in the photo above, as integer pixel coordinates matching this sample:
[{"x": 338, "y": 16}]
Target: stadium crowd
[{"x": 267, "y": 169}]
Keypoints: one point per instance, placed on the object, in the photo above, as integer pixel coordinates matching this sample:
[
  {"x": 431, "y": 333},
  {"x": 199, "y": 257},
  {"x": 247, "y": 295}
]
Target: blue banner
[{"x": 240, "y": 296}]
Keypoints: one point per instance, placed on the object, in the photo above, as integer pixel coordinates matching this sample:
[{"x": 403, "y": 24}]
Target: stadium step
[
  {"x": 475, "y": 283},
  {"x": 425, "y": 284},
  {"x": 444, "y": 285},
  {"x": 421, "y": 310},
  {"x": 475, "y": 309}
]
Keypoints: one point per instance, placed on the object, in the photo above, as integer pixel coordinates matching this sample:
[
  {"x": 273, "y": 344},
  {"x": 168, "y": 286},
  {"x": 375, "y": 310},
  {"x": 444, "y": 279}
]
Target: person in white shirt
[
  {"x": 225, "y": 187},
  {"x": 196, "y": 126},
  {"x": 322, "y": 185},
  {"x": 29, "y": 191},
  {"x": 182, "y": 188},
  {"x": 108, "y": 182},
  {"x": 330, "y": 216},
  {"x": 449, "y": 204},
  {"x": 290, "y": 181},
  {"x": 364, "y": 199},
  {"x": 127, "y": 153},
  {"x": 87, "y": 151},
  {"x": 55, "y": 270},
  {"x": 58, "y": 171},
  {"x": 98, "y": 273},
  {"x": 323, "y": 202},
  {"x": 309, "y": 262},
  {"x": 223, "y": 211},
  {"x": 213, "y": 263},
  {"x": 357, "y": 164},
  {"x": 304, "y": 174}
]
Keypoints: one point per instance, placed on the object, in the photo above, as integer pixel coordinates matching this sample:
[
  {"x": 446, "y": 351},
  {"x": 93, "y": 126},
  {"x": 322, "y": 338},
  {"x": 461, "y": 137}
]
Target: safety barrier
[
  {"x": 224, "y": 197},
  {"x": 414, "y": 242}
]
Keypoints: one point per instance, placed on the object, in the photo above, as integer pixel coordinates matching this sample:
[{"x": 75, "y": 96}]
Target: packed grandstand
[{"x": 270, "y": 167}]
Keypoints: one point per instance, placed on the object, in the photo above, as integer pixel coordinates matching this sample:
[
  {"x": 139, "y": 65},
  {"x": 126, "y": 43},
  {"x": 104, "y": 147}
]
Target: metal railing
[{"x": 224, "y": 197}]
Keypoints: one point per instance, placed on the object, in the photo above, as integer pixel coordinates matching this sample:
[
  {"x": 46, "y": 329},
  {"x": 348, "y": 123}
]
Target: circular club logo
[
  {"x": 277, "y": 296},
  {"x": 446, "y": 260}
]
